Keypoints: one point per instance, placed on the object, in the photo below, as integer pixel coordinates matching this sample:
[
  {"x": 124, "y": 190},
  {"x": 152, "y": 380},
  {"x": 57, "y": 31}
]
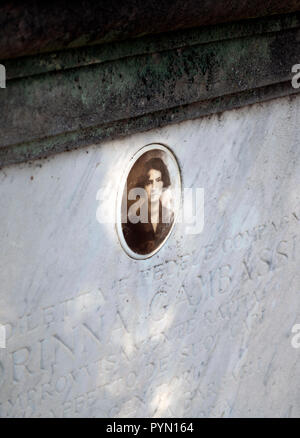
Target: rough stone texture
[
  {"x": 201, "y": 329},
  {"x": 32, "y": 27},
  {"x": 87, "y": 96},
  {"x": 97, "y": 54}
]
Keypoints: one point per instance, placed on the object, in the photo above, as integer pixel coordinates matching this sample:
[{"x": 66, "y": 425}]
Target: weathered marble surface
[{"x": 201, "y": 329}]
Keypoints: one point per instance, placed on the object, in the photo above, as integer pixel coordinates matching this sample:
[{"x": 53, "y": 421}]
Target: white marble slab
[{"x": 203, "y": 328}]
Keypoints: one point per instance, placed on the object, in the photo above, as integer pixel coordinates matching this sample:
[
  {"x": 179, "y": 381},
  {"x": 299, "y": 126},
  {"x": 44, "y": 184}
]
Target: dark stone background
[{"x": 29, "y": 27}]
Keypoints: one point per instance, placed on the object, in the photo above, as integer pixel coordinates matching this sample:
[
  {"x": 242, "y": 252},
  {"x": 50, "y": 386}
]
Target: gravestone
[{"x": 203, "y": 327}]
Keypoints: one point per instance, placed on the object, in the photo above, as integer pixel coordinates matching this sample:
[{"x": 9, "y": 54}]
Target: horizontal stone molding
[
  {"x": 32, "y": 26},
  {"x": 74, "y": 98}
]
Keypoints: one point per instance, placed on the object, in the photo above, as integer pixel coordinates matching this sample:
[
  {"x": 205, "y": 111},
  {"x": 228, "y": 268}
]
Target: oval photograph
[{"x": 149, "y": 200}]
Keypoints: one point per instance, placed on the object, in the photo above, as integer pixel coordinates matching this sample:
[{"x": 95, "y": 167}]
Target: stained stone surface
[{"x": 203, "y": 328}]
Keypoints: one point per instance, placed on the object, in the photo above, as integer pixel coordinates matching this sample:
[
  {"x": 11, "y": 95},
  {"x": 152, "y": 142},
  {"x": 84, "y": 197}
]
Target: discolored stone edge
[
  {"x": 98, "y": 93},
  {"x": 84, "y": 56},
  {"x": 32, "y": 27},
  {"x": 47, "y": 147}
]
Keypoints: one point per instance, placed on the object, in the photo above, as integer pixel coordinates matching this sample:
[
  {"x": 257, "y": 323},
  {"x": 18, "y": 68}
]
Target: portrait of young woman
[{"x": 149, "y": 203}]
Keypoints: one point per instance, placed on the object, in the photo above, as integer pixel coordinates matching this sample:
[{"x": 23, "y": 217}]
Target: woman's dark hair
[{"x": 157, "y": 164}]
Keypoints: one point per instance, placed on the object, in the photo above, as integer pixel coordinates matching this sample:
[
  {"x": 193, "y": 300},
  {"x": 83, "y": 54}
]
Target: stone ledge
[
  {"x": 46, "y": 147},
  {"x": 84, "y": 56},
  {"x": 55, "y": 106},
  {"x": 35, "y": 27}
]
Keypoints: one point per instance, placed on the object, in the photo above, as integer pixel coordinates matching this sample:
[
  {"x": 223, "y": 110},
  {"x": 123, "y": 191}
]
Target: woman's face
[{"x": 154, "y": 185}]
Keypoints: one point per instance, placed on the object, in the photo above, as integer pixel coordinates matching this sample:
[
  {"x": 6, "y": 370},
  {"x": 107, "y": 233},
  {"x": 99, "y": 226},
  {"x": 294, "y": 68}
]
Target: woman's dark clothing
[{"x": 141, "y": 237}]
